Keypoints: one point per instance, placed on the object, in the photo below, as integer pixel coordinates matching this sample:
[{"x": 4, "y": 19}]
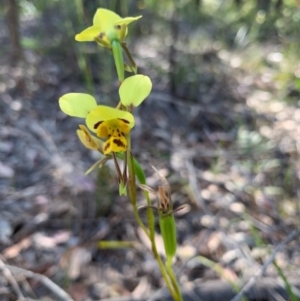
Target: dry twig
[
  {"x": 263, "y": 269},
  {"x": 54, "y": 288},
  {"x": 10, "y": 278}
]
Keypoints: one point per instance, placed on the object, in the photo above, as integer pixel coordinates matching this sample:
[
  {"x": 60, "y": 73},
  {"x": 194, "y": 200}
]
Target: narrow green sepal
[
  {"x": 132, "y": 63},
  {"x": 118, "y": 57},
  {"x": 127, "y": 68},
  {"x": 122, "y": 189}
]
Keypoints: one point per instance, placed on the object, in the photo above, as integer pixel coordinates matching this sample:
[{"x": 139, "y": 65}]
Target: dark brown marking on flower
[
  {"x": 106, "y": 146},
  {"x": 97, "y": 124},
  {"x": 124, "y": 120},
  {"x": 118, "y": 27},
  {"x": 118, "y": 142},
  {"x": 101, "y": 35},
  {"x": 122, "y": 134}
]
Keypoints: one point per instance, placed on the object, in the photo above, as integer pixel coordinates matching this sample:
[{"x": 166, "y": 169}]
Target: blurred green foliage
[{"x": 187, "y": 33}]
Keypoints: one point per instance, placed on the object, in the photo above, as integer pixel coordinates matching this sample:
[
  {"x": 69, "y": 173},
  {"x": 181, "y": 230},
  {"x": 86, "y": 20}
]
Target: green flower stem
[
  {"x": 151, "y": 225},
  {"x": 132, "y": 186},
  {"x": 150, "y": 233},
  {"x": 174, "y": 290},
  {"x": 173, "y": 278},
  {"x": 163, "y": 270}
]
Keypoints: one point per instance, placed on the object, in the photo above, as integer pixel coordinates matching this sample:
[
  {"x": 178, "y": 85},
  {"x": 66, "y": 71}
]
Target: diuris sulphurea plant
[{"x": 107, "y": 130}]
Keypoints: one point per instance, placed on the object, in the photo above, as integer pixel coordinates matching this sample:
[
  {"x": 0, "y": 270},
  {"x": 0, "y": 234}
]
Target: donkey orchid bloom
[{"x": 107, "y": 27}]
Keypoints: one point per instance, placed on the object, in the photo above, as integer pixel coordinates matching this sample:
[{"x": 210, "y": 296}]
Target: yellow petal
[
  {"x": 123, "y": 30},
  {"x": 105, "y": 19},
  {"x": 104, "y": 113},
  {"x": 88, "y": 140},
  {"x": 77, "y": 104},
  {"x": 88, "y": 34},
  {"x": 113, "y": 127},
  {"x": 126, "y": 20},
  {"x": 102, "y": 130},
  {"x": 115, "y": 144},
  {"x": 135, "y": 89},
  {"x": 124, "y": 127}
]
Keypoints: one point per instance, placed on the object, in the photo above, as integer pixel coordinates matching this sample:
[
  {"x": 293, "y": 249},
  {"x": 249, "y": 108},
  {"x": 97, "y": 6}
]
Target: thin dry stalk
[
  {"x": 54, "y": 288},
  {"x": 11, "y": 279},
  {"x": 263, "y": 269}
]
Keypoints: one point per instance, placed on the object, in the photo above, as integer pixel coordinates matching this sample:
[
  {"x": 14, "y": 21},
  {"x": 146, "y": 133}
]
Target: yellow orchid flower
[
  {"x": 107, "y": 27},
  {"x": 111, "y": 124},
  {"x": 108, "y": 123}
]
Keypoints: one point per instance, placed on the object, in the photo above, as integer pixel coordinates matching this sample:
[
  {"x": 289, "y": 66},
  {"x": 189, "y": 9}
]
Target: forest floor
[{"x": 230, "y": 153}]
